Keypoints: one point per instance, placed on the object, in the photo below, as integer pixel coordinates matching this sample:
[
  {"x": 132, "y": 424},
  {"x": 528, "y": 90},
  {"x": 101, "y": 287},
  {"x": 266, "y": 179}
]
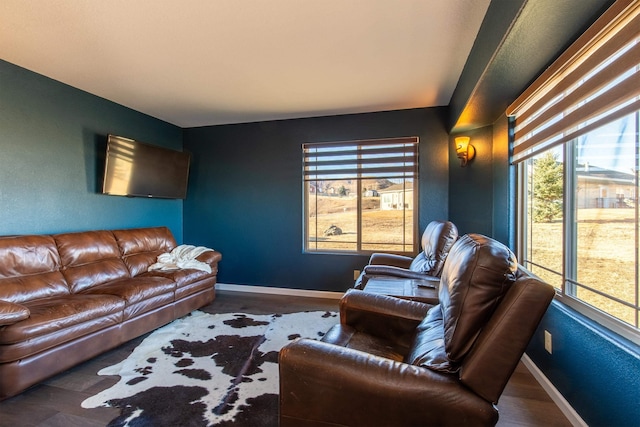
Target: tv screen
[{"x": 137, "y": 169}]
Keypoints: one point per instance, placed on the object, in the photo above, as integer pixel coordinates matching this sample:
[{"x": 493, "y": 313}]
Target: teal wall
[
  {"x": 597, "y": 371},
  {"x": 52, "y": 142},
  {"x": 246, "y": 193},
  {"x": 471, "y": 198}
]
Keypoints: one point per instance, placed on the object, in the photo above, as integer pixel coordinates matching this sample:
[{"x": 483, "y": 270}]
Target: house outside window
[
  {"x": 360, "y": 196},
  {"x": 576, "y": 149}
]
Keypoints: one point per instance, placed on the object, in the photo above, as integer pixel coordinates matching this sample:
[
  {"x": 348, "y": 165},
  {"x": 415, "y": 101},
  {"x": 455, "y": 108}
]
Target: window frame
[
  {"x": 359, "y": 172},
  {"x": 538, "y": 123},
  {"x": 566, "y": 292}
]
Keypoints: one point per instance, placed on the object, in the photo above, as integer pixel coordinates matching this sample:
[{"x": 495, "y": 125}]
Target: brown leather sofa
[
  {"x": 66, "y": 298},
  {"x": 393, "y": 362}
]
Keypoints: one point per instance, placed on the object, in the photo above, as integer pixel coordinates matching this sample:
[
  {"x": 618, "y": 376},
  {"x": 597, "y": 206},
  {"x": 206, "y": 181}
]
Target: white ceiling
[{"x": 207, "y": 62}]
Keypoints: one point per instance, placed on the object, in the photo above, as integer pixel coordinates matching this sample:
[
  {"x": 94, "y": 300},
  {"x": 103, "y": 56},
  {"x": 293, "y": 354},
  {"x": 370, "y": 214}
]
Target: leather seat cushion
[
  {"x": 182, "y": 277},
  {"x": 348, "y": 337},
  {"x": 135, "y": 289},
  {"x": 58, "y": 313},
  {"x": 11, "y": 313}
]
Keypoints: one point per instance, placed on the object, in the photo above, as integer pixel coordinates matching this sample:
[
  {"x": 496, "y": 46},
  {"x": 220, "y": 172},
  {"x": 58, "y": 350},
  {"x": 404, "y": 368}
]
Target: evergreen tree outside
[{"x": 547, "y": 188}]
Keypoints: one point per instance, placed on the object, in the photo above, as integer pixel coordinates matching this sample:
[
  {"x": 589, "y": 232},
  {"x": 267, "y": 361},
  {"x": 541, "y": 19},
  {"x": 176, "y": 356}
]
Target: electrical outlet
[
  {"x": 547, "y": 342},
  {"x": 356, "y": 274}
]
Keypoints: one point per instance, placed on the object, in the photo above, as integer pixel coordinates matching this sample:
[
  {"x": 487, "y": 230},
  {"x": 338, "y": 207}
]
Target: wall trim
[
  {"x": 562, "y": 403},
  {"x": 279, "y": 291}
]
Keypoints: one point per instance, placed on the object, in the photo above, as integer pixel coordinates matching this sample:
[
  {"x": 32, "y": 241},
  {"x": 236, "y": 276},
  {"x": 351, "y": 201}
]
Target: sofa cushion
[
  {"x": 134, "y": 289},
  {"x": 11, "y": 313},
  {"x": 428, "y": 346},
  {"x": 140, "y": 247},
  {"x": 90, "y": 258},
  {"x": 30, "y": 269},
  {"x": 182, "y": 277},
  {"x": 349, "y": 337},
  {"x": 476, "y": 275},
  {"x": 51, "y": 315},
  {"x": 437, "y": 240}
]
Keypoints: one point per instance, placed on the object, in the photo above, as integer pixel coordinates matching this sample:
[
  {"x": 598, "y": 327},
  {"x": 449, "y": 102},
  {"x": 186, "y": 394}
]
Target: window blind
[
  {"x": 596, "y": 81},
  {"x": 380, "y": 158}
]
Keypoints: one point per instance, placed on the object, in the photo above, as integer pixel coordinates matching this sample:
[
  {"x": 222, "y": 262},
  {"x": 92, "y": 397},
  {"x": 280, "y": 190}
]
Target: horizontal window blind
[
  {"x": 596, "y": 81},
  {"x": 378, "y": 158}
]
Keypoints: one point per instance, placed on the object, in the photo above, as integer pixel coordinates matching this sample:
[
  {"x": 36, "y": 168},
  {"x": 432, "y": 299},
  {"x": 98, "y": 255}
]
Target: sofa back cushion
[
  {"x": 428, "y": 345},
  {"x": 475, "y": 277},
  {"x": 140, "y": 247},
  {"x": 437, "y": 240},
  {"x": 30, "y": 269},
  {"x": 90, "y": 258}
]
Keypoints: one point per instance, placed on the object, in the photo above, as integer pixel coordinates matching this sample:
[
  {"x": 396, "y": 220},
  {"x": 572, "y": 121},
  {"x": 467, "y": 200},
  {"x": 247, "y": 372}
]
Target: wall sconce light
[{"x": 464, "y": 150}]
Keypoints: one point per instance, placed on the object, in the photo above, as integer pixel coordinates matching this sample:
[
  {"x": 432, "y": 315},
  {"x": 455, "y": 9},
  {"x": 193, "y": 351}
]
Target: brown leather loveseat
[
  {"x": 66, "y": 298},
  {"x": 393, "y": 362}
]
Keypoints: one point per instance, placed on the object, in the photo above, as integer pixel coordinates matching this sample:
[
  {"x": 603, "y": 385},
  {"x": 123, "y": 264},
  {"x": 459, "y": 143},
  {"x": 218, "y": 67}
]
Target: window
[
  {"x": 360, "y": 196},
  {"x": 576, "y": 149}
]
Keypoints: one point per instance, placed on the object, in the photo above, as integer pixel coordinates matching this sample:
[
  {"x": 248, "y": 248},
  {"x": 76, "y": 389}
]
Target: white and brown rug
[{"x": 207, "y": 370}]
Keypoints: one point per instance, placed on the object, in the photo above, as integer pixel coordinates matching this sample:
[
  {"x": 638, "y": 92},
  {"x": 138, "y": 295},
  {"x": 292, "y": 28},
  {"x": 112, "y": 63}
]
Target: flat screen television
[{"x": 136, "y": 169}]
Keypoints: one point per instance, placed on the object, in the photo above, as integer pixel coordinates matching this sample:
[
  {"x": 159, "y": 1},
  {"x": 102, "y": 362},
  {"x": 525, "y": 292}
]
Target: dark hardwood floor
[{"x": 56, "y": 402}]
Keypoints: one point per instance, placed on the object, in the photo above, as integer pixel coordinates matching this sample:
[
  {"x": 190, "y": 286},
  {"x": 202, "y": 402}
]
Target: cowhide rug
[{"x": 207, "y": 370}]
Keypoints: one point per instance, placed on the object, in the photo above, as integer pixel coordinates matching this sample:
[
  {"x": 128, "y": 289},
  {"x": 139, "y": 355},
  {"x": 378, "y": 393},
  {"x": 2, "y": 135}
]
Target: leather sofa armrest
[
  {"x": 11, "y": 313},
  {"x": 325, "y": 384},
  {"x": 381, "y": 315},
  {"x": 210, "y": 257},
  {"x": 385, "y": 270},
  {"x": 390, "y": 259}
]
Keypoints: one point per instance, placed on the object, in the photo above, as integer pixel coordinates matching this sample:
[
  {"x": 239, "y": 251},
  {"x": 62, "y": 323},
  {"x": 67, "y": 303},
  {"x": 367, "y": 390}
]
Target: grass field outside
[
  {"x": 382, "y": 230},
  {"x": 607, "y": 258}
]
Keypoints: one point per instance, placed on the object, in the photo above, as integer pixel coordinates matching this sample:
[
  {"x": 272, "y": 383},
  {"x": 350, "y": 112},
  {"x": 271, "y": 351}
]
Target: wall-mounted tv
[{"x": 137, "y": 169}]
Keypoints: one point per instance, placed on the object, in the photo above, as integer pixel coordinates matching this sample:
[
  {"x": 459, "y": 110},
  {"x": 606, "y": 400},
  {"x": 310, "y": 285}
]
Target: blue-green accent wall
[
  {"x": 597, "y": 371},
  {"x": 52, "y": 142},
  {"x": 246, "y": 193},
  {"x": 471, "y": 197}
]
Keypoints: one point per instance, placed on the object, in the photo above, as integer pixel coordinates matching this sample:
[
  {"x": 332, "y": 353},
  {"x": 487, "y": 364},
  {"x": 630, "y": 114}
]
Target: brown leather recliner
[
  {"x": 412, "y": 278},
  {"x": 397, "y": 362},
  {"x": 437, "y": 240}
]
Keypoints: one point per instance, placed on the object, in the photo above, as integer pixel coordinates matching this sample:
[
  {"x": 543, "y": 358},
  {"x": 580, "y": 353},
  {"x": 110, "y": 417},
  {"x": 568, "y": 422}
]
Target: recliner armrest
[
  {"x": 11, "y": 313},
  {"x": 385, "y": 270},
  {"x": 380, "y": 315},
  {"x": 325, "y": 383},
  {"x": 390, "y": 259}
]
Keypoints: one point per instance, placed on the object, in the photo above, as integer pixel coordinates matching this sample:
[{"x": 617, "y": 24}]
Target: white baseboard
[
  {"x": 279, "y": 291},
  {"x": 553, "y": 392}
]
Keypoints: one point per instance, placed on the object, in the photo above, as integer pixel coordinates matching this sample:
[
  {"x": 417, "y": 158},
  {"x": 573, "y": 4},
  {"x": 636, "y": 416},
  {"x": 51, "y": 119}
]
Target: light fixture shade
[{"x": 464, "y": 150}]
